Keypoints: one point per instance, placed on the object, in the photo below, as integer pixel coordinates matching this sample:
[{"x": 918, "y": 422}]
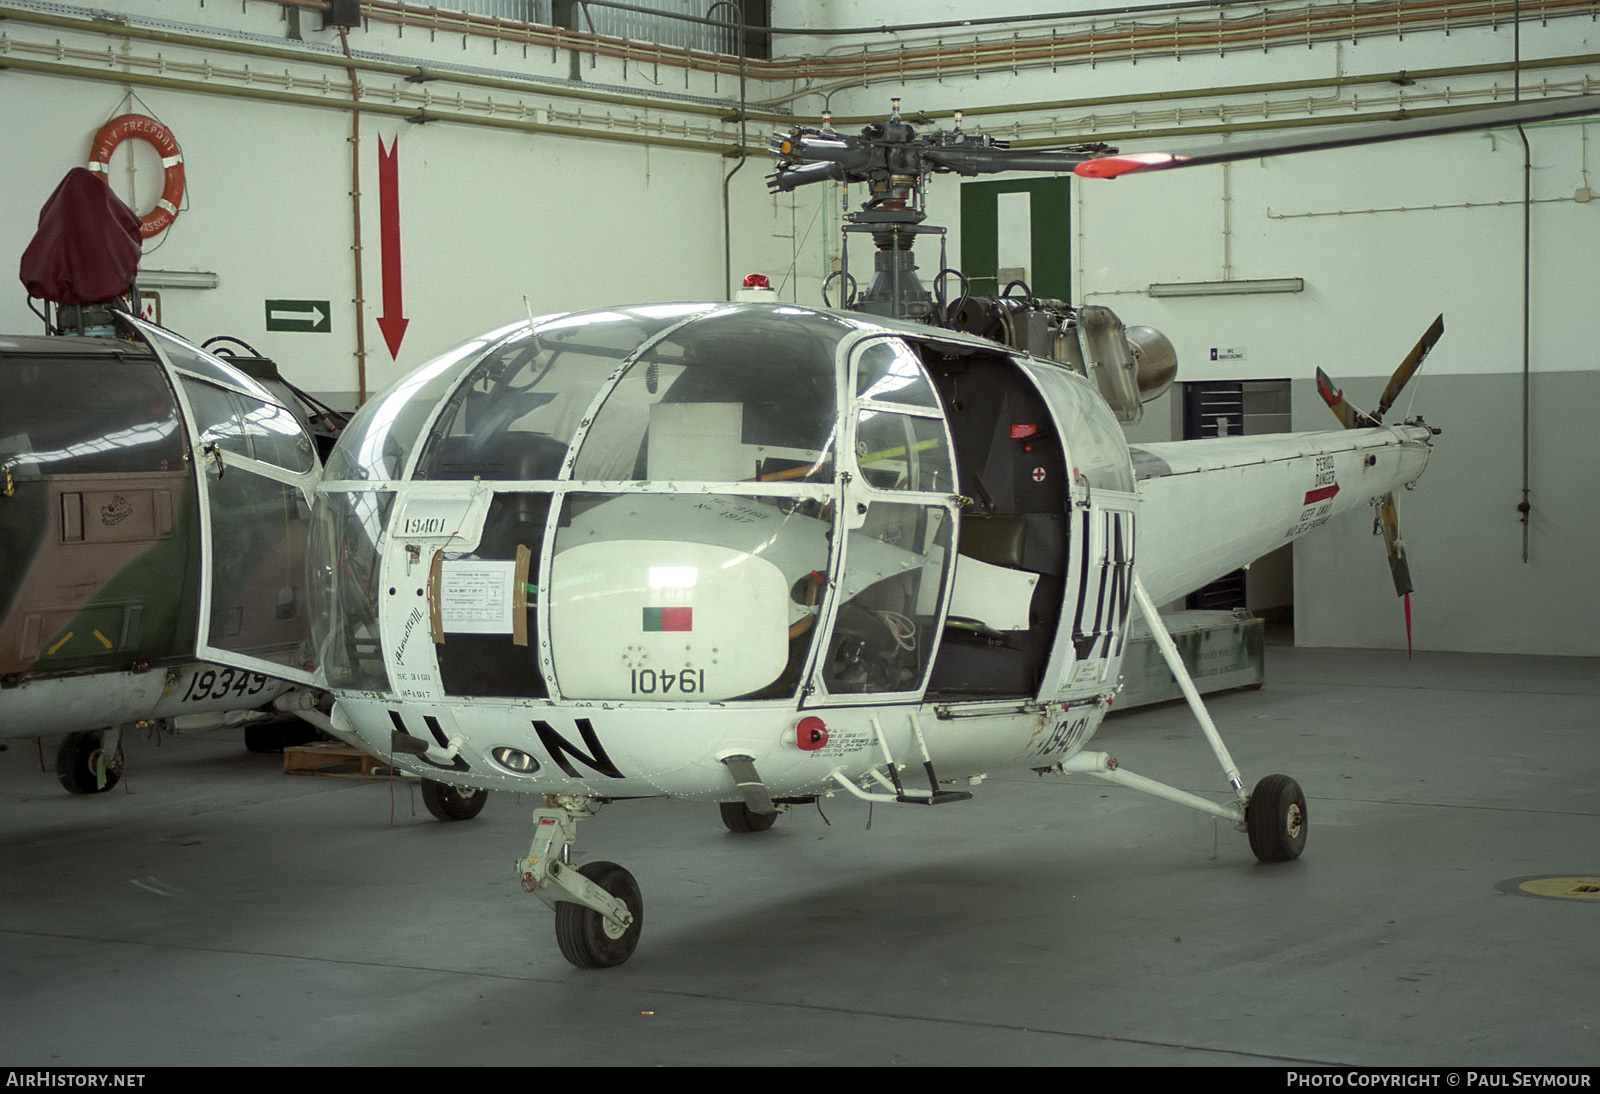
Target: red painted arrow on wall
[{"x": 392, "y": 322}]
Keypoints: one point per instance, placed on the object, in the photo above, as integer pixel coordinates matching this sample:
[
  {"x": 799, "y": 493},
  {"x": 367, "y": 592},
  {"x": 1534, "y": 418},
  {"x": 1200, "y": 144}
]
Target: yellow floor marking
[{"x": 1569, "y": 888}]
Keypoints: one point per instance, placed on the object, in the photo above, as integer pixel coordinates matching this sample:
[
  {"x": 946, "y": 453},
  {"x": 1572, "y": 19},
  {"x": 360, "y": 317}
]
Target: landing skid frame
[{"x": 1277, "y": 825}]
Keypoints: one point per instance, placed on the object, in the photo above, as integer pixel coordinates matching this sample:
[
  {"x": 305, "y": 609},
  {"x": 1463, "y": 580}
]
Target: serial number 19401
[{"x": 667, "y": 681}]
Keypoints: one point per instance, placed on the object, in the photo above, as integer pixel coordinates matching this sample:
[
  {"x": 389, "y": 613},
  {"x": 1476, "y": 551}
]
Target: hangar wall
[
  {"x": 524, "y": 194},
  {"x": 494, "y": 220}
]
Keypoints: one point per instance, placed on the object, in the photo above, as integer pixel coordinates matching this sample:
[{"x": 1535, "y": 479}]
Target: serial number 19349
[{"x": 218, "y": 683}]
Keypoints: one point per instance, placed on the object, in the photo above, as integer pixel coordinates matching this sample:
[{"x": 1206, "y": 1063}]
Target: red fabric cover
[{"x": 87, "y": 247}]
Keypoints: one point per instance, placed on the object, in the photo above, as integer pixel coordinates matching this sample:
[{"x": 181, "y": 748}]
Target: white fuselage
[
  {"x": 1207, "y": 508},
  {"x": 626, "y": 616}
]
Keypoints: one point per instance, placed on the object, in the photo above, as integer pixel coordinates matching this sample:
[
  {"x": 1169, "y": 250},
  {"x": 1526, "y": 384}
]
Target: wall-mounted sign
[{"x": 310, "y": 316}]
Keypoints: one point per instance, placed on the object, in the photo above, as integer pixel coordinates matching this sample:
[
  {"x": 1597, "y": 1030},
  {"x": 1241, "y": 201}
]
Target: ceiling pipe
[
  {"x": 529, "y": 85},
  {"x": 356, "y": 247},
  {"x": 405, "y": 113},
  {"x": 1320, "y": 83},
  {"x": 312, "y": 56},
  {"x": 1304, "y": 25}
]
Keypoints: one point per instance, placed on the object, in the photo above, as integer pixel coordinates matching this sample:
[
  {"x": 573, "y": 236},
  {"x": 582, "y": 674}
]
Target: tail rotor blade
[
  {"x": 1389, "y": 524},
  {"x": 1409, "y": 366},
  {"x": 1352, "y": 417},
  {"x": 1349, "y": 415},
  {"x": 1399, "y": 569}
]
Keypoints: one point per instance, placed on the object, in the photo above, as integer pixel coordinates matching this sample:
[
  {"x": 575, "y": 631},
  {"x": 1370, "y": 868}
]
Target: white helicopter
[{"x": 758, "y": 553}]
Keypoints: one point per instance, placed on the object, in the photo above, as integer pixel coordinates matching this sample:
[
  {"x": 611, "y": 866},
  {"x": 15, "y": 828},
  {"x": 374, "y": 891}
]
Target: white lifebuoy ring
[{"x": 119, "y": 129}]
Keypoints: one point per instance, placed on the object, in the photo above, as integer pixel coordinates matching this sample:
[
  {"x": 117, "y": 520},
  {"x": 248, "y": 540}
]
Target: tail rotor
[{"x": 1352, "y": 417}]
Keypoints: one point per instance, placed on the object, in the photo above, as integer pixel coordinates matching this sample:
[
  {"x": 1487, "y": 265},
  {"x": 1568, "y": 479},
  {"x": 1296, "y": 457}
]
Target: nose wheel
[
  {"x": 587, "y": 938},
  {"x": 598, "y": 907}
]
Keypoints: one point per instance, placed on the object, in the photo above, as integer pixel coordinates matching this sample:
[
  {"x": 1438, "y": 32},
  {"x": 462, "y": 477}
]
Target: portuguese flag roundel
[{"x": 669, "y": 619}]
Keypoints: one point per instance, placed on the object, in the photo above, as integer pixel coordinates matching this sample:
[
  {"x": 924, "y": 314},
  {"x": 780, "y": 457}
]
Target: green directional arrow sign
[{"x": 311, "y": 316}]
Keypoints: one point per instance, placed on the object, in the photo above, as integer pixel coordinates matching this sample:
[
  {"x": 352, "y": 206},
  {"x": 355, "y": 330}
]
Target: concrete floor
[{"x": 211, "y": 910}]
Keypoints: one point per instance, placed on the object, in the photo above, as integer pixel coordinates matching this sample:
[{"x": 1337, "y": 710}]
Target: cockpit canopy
[
  {"x": 709, "y": 393},
  {"x": 703, "y": 502}
]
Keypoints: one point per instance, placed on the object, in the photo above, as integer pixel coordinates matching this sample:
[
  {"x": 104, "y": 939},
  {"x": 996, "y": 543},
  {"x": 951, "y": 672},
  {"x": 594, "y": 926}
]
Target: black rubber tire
[
  {"x": 452, "y": 803},
  {"x": 738, "y": 817},
  {"x": 583, "y": 934},
  {"x": 76, "y": 759},
  {"x": 1276, "y": 819}
]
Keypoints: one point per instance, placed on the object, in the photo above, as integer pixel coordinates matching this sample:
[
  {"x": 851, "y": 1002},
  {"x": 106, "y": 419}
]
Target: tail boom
[{"x": 1208, "y": 507}]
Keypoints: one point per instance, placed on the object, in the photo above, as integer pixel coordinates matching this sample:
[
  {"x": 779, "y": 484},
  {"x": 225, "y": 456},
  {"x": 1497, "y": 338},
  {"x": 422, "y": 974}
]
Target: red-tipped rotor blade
[
  {"x": 1109, "y": 167},
  {"x": 1404, "y": 124},
  {"x": 1350, "y": 416}
]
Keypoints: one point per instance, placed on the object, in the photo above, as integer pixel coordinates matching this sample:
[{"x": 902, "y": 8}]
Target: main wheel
[
  {"x": 83, "y": 766},
  {"x": 1276, "y": 819},
  {"x": 587, "y": 938},
  {"x": 739, "y": 817},
  {"x": 452, "y": 803}
]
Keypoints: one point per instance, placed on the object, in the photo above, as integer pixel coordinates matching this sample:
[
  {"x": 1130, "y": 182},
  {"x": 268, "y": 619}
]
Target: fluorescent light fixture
[
  {"x": 176, "y": 279},
  {"x": 1228, "y": 288}
]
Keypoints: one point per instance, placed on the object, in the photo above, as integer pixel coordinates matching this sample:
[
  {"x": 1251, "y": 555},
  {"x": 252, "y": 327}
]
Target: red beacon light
[
  {"x": 810, "y": 734},
  {"x": 756, "y": 289}
]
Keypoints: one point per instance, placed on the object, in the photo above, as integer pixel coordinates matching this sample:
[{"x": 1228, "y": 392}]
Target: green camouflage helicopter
[{"x": 154, "y": 500}]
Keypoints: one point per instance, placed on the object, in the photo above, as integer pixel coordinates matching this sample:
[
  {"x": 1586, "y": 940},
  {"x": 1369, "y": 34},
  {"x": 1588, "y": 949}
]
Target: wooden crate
[{"x": 328, "y": 758}]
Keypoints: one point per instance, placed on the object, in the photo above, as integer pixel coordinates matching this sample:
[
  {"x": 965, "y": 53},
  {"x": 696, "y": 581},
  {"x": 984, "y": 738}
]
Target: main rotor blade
[
  {"x": 1404, "y": 126},
  {"x": 787, "y": 178},
  {"x": 988, "y": 161},
  {"x": 1409, "y": 366}
]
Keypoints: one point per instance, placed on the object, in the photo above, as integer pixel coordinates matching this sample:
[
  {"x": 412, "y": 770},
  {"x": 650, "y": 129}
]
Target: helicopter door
[
  {"x": 898, "y": 517},
  {"x": 256, "y": 471},
  {"x": 1087, "y": 655}
]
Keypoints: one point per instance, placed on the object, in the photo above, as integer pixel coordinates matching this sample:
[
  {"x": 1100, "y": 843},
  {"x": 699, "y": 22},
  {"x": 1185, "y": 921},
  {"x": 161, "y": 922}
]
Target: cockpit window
[
  {"x": 248, "y": 427},
  {"x": 193, "y": 359},
  {"x": 729, "y": 397},
  {"x": 515, "y": 414},
  {"x": 78, "y": 416},
  {"x": 902, "y": 452},
  {"x": 890, "y": 372},
  {"x": 1095, "y": 442},
  {"x": 686, "y": 597},
  {"x": 379, "y": 440}
]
